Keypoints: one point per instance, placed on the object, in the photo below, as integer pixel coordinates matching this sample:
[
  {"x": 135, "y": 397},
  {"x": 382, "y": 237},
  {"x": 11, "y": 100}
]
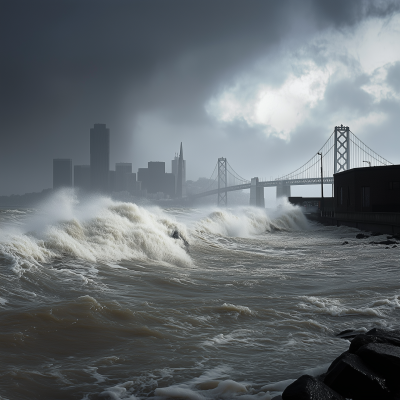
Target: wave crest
[{"x": 97, "y": 229}]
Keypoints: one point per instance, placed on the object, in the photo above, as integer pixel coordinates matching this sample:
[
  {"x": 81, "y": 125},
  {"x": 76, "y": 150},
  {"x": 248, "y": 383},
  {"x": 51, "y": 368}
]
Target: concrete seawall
[{"x": 369, "y": 221}]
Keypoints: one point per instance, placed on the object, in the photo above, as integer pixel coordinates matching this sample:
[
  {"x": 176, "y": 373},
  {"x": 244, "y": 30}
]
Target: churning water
[{"x": 98, "y": 301}]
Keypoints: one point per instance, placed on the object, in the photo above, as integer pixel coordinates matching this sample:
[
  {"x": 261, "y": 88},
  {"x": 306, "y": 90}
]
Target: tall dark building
[
  {"x": 99, "y": 158},
  {"x": 155, "y": 176},
  {"x": 122, "y": 176},
  {"x": 62, "y": 172},
  {"x": 82, "y": 177},
  {"x": 179, "y": 170}
]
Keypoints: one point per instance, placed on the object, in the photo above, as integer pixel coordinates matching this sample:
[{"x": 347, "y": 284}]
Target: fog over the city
[{"x": 262, "y": 83}]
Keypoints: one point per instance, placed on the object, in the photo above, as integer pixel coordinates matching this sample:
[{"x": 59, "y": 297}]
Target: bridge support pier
[
  {"x": 283, "y": 191},
  {"x": 256, "y": 194}
]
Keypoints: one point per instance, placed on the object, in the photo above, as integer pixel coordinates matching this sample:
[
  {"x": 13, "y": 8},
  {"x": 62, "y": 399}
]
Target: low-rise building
[{"x": 368, "y": 189}]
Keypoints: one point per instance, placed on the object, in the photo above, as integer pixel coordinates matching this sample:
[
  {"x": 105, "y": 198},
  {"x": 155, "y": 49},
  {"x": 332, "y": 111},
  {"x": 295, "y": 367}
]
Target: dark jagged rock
[
  {"x": 345, "y": 242},
  {"x": 336, "y": 360},
  {"x": 394, "y": 246},
  {"x": 376, "y": 234},
  {"x": 395, "y": 333},
  {"x": 362, "y": 340},
  {"x": 361, "y": 236},
  {"x": 309, "y": 388},
  {"x": 383, "y": 358},
  {"x": 351, "y": 378},
  {"x": 348, "y": 334}
]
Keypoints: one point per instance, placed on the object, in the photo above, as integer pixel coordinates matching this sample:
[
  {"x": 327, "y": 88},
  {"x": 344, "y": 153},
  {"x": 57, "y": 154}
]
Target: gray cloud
[
  {"x": 393, "y": 76},
  {"x": 68, "y": 64}
]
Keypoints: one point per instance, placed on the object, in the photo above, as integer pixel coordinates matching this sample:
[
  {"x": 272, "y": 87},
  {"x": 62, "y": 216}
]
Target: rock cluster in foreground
[{"x": 369, "y": 370}]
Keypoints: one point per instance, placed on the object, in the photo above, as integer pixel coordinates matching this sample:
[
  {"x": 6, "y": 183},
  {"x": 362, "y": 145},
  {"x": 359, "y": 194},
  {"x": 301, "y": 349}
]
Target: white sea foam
[
  {"x": 250, "y": 221},
  {"x": 205, "y": 390},
  {"x": 335, "y": 308},
  {"x": 278, "y": 386},
  {"x": 243, "y": 310},
  {"x": 119, "y": 392},
  {"x": 97, "y": 229}
]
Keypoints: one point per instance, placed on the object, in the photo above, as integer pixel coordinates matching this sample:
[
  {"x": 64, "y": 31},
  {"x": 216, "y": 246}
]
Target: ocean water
[{"x": 98, "y": 301}]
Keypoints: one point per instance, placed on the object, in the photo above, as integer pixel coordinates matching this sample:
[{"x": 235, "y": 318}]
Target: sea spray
[
  {"x": 94, "y": 229},
  {"x": 246, "y": 222}
]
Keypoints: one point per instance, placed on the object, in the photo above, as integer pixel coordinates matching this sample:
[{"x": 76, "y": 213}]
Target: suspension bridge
[{"x": 343, "y": 150}]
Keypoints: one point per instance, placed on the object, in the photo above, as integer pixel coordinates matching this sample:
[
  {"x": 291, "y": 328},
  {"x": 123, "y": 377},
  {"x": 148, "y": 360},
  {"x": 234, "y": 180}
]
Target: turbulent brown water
[{"x": 97, "y": 300}]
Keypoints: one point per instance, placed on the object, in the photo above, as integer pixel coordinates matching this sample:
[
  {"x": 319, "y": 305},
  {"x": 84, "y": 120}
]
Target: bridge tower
[
  {"x": 342, "y": 149},
  {"x": 256, "y": 194},
  {"x": 222, "y": 182}
]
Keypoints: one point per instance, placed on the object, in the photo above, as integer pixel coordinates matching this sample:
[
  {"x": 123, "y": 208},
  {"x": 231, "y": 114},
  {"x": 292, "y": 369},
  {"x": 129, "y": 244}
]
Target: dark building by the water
[
  {"x": 156, "y": 174},
  {"x": 154, "y": 179},
  {"x": 99, "y": 158},
  {"x": 62, "y": 172},
  {"x": 368, "y": 189},
  {"x": 143, "y": 177},
  {"x": 82, "y": 177},
  {"x": 122, "y": 176}
]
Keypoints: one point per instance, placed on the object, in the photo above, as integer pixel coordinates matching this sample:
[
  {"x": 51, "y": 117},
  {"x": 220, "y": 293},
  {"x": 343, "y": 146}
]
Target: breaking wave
[
  {"x": 250, "y": 221},
  {"x": 97, "y": 229}
]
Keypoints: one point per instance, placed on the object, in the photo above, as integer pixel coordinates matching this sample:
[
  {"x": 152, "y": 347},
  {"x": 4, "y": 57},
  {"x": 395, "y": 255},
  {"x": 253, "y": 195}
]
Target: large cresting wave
[{"x": 95, "y": 229}]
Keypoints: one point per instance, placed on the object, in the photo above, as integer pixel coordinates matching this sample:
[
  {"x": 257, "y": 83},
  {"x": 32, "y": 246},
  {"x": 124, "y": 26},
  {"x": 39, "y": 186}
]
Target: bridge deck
[{"x": 291, "y": 182}]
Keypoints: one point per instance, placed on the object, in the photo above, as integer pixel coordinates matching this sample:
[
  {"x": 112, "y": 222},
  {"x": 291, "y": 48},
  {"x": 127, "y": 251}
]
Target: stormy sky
[{"x": 262, "y": 83}]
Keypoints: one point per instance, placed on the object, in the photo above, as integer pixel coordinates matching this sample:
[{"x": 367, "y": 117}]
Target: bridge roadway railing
[{"x": 288, "y": 182}]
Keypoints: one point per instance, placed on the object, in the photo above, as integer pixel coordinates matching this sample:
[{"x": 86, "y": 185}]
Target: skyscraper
[
  {"x": 156, "y": 174},
  {"x": 179, "y": 170},
  {"x": 62, "y": 172},
  {"x": 99, "y": 158}
]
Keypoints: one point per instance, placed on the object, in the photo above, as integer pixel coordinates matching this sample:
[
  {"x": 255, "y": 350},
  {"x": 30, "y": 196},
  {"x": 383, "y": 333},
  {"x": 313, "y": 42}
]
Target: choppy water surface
[{"x": 98, "y": 301}]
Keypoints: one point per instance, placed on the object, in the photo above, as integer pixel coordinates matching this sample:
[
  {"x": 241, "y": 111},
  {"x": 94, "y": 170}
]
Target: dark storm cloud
[{"x": 68, "y": 64}]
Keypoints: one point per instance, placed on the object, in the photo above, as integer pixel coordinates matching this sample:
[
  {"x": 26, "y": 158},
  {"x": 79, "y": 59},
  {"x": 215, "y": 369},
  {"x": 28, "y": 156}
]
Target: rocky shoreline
[{"x": 368, "y": 370}]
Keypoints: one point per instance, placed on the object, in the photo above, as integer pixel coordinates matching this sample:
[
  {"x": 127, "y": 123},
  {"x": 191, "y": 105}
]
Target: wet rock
[
  {"x": 348, "y": 334},
  {"x": 364, "y": 339},
  {"x": 309, "y": 388},
  {"x": 345, "y": 242},
  {"x": 336, "y": 360},
  {"x": 375, "y": 335},
  {"x": 352, "y": 378},
  {"x": 383, "y": 358},
  {"x": 376, "y": 234},
  {"x": 361, "y": 236},
  {"x": 395, "y": 333},
  {"x": 394, "y": 246}
]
